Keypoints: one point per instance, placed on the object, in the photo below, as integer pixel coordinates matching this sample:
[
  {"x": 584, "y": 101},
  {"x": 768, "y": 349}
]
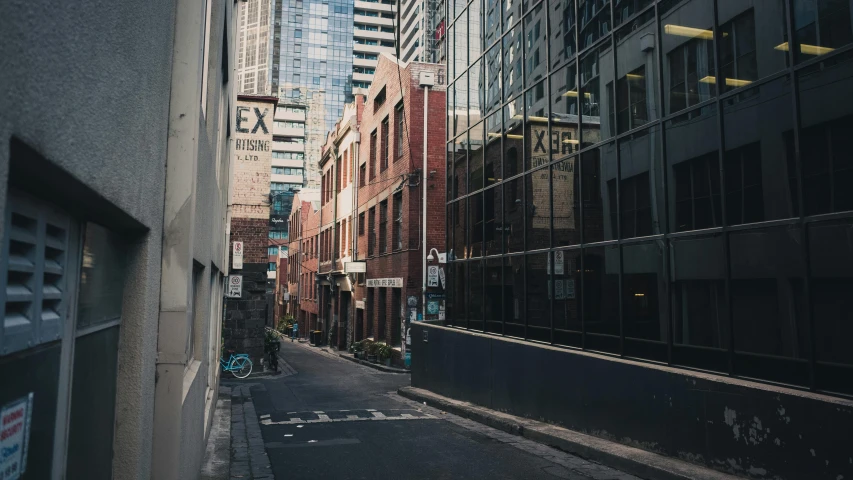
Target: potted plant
[
  {"x": 373, "y": 351},
  {"x": 384, "y": 352}
]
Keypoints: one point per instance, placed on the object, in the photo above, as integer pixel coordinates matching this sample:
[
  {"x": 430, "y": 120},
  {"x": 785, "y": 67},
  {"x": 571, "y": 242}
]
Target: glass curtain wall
[{"x": 666, "y": 180}]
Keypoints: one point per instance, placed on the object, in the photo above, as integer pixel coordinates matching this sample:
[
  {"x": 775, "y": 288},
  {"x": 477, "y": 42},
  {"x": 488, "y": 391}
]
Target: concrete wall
[
  {"x": 732, "y": 425},
  {"x": 100, "y": 103},
  {"x": 194, "y": 243}
]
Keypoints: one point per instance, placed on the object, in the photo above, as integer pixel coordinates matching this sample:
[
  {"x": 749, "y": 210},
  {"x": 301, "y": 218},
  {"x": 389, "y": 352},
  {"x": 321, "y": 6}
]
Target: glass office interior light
[
  {"x": 806, "y": 49},
  {"x": 691, "y": 32},
  {"x": 731, "y": 82},
  {"x": 514, "y": 136},
  {"x": 574, "y": 93}
]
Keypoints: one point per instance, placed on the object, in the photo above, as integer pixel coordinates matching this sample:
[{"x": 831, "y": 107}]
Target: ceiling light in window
[
  {"x": 731, "y": 82},
  {"x": 688, "y": 32},
  {"x": 806, "y": 49}
]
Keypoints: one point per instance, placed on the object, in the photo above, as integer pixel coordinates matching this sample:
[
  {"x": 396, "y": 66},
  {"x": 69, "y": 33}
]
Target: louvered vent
[{"x": 35, "y": 292}]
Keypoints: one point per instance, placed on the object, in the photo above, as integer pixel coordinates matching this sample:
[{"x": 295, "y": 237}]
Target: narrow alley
[{"x": 325, "y": 417}]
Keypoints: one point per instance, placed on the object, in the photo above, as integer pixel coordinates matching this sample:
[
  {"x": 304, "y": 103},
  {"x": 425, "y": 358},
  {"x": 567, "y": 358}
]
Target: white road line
[
  {"x": 323, "y": 417},
  {"x": 348, "y": 419},
  {"x": 296, "y": 420},
  {"x": 378, "y": 414},
  {"x": 407, "y": 415},
  {"x": 265, "y": 416},
  {"x": 371, "y": 409}
]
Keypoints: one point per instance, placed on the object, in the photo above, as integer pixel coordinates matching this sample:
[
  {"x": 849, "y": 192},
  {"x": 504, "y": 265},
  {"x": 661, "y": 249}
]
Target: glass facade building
[
  {"x": 314, "y": 51},
  {"x": 670, "y": 181}
]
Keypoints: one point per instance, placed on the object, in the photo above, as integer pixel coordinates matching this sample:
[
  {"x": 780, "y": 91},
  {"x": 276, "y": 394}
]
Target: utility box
[{"x": 427, "y": 79}]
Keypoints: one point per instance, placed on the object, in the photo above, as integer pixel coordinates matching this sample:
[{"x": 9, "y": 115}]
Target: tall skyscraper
[
  {"x": 422, "y": 30},
  {"x": 373, "y": 33},
  {"x": 253, "y": 58}
]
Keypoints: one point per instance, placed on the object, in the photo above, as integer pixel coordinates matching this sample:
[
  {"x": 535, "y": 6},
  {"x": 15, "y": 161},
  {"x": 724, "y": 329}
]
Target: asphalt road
[{"x": 331, "y": 418}]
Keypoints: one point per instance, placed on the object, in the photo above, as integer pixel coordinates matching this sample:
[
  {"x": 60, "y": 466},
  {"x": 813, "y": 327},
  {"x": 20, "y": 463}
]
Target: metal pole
[{"x": 424, "y": 173}]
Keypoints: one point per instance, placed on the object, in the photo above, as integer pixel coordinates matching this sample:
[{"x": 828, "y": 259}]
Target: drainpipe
[
  {"x": 354, "y": 220},
  {"x": 427, "y": 79}
]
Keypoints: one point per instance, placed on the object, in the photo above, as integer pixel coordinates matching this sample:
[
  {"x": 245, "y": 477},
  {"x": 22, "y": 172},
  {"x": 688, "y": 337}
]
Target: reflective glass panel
[
  {"x": 514, "y": 214},
  {"x": 636, "y": 72},
  {"x": 600, "y": 287},
  {"x": 596, "y": 96},
  {"x": 538, "y": 301},
  {"x": 563, "y": 31},
  {"x": 538, "y": 188},
  {"x": 642, "y": 193},
  {"x": 687, "y": 45},
  {"x": 598, "y": 189},
  {"x": 760, "y": 166}
]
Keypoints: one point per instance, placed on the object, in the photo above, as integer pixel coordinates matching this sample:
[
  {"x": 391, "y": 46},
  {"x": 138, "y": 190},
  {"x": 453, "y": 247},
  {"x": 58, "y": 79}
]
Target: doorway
[{"x": 345, "y": 328}]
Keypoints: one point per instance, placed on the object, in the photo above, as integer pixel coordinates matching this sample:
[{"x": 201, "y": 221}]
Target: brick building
[
  {"x": 302, "y": 260},
  {"x": 337, "y": 197},
  {"x": 246, "y": 316},
  {"x": 389, "y": 198}
]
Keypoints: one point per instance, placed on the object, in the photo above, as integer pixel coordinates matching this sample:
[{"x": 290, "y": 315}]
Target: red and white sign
[
  {"x": 15, "y": 419},
  {"x": 237, "y": 262}
]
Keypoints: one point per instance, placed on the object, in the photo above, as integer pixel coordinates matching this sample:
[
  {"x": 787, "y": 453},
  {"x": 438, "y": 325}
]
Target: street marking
[
  {"x": 265, "y": 416},
  {"x": 378, "y": 414},
  {"x": 323, "y": 417},
  {"x": 350, "y": 418},
  {"x": 288, "y": 434},
  {"x": 371, "y": 409},
  {"x": 295, "y": 420},
  {"x": 318, "y": 412}
]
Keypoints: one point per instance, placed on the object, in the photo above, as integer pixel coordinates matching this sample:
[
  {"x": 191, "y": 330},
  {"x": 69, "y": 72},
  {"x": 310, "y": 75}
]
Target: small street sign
[
  {"x": 235, "y": 286},
  {"x": 432, "y": 276}
]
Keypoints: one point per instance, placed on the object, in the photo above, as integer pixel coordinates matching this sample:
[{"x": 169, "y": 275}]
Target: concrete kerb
[
  {"x": 631, "y": 460},
  {"x": 376, "y": 366}
]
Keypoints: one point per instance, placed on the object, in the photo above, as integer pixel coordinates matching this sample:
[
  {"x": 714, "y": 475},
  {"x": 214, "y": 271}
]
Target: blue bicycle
[{"x": 239, "y": 365}]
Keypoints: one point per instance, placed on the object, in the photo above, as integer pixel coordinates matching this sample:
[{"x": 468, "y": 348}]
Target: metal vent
[{"x": 34, "y": 293}]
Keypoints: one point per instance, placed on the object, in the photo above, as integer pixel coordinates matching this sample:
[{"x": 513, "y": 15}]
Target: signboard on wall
[
  {"x": 15, "y": 421},
  {"x": 237, "y": 254},
  {"x": 235, "y": 286},
  {"x": 385, "y": 282}
]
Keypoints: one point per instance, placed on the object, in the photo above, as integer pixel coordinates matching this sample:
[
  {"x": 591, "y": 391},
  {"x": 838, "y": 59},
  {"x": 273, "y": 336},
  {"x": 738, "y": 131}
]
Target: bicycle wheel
[{"x": 241, "y": 367}]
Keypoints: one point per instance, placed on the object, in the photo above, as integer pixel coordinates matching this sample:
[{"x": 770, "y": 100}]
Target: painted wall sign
[
  {"x": 355, "y": 267},
  {"x": 237, "y": 254},
  {"x": 235, "y": 286},
  {"x": 359, "y": 304},
  {"x": 441, "y": 276},
  {"x": 385, "y": 282},
  {"x": 15, "y": 421}
]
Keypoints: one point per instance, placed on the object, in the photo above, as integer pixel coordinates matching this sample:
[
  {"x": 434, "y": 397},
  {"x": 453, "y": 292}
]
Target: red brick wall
[
  {"x": 407, "y": 262},
  {"x": 254, "y": 233}
]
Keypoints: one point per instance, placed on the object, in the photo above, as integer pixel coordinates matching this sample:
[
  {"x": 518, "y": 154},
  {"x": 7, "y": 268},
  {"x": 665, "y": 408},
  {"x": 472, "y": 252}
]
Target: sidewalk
[
  {"x": 235, "y": 448},
  {"x": 348, "y": 356},
  {"x": 632, "y": 460}
]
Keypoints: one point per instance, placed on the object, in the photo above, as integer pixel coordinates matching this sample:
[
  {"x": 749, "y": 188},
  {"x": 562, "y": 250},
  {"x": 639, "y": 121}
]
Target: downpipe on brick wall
[{"x": 424, "y": 173}]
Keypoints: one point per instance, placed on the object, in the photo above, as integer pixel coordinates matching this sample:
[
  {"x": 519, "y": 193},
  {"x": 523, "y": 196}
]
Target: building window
[
  {"x": 271, "y": 267},
  {"x": 361, "y": 224},
  {"x": 697, "y": 193},
  {"x": 362, "y": 174},
  {"x": 371, "y": 231},
  {"x": 631, "y": 100},
  {"x": 371, "y": 162},
  {"x": 385, "y": 155},
  {"x": 400, "y": 126},
  {"x": 691, "y": 74},
  {"x": 397, "y": 238},
  {"x": 737, "y": 52},
  {"x": 272, "y": 250},
  {"x": 383, "y": 226},
  {"x": 744, "y": 195}
]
